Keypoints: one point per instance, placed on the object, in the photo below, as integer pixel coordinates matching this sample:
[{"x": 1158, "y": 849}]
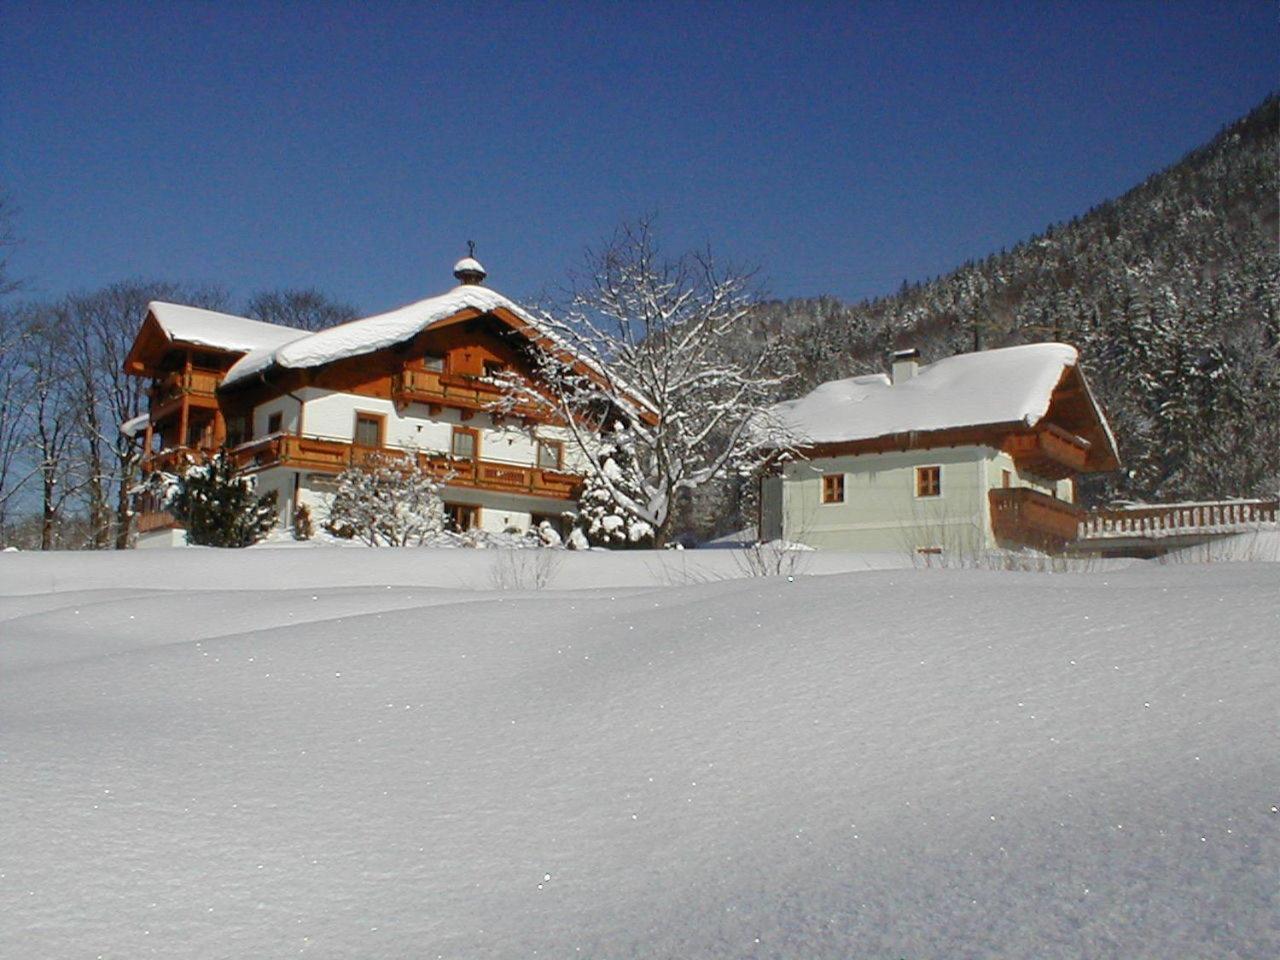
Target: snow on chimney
[
  {"x": 905, "y": 365},
  {"x": 468, "y": 271}
]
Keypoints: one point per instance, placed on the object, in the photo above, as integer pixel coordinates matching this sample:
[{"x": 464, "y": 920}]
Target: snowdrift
[{"x": 355, "y": 753}]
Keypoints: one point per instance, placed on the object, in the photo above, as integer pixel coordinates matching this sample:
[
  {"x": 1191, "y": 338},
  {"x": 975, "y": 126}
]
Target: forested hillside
[{"x": 1169, "y": 291}]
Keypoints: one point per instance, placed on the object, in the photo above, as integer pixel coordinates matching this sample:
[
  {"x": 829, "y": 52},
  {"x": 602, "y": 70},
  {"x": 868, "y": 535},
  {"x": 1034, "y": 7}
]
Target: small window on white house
[
  {"x": 368, "y": 430},
  {"x": 463, "y": 445},
  {"x": 928, "y": 481},
  {"x": 833, "y": 488},
  {"x": 550, "y": 454},
  {"x": 274, "y": 422}
]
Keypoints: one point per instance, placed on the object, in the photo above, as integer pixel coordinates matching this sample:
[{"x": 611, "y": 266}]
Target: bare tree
[
  {"x": 641, "y": 350},
  {"x": 102, "y": 326},
  {"x": 52, "y": 413},
  {"x": 15, "y": 391},
  {"x": 307, "y": 309}
]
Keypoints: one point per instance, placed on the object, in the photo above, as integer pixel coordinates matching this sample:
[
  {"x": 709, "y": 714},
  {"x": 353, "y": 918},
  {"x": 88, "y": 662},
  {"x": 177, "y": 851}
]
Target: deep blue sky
[{"x": 839, "y": 147}]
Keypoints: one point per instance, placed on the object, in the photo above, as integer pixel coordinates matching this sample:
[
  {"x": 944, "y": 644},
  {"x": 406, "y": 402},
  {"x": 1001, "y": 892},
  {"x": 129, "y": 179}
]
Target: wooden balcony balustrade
[
  {"x": 1024, "y": 516},
  {"x": 1049, "y": 452},
  {"x": 194, "y": 382},
  {"x": 437, "y": 389},
  {"x": 334, "y": 456},
  {"x": 1178, "y": 519}
]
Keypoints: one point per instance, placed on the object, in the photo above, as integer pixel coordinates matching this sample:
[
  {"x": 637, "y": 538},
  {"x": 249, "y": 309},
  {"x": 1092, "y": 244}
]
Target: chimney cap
[
  {"x": 910, "y": 353},
  {"x": 468, "y": 270}
]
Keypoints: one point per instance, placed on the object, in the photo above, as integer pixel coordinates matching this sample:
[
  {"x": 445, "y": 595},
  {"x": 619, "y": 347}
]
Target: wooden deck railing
[
  {"x": 1177, "y": 519},
  {"x": 1025, "y": 516},
  {"x": 443, "y": 389},
  {"x": 198, "y": 382},
  {"x": 334, "y": 456}
]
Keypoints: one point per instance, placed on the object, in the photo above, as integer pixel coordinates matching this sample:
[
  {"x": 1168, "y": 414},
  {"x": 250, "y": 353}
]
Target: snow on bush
[{"x": 387, "y": 501}]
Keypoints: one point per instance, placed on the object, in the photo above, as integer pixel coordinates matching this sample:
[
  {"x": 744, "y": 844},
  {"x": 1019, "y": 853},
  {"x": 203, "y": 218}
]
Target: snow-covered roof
[
  {"x": 135, "y": 425},
  {"x": 222, "y": 331},
  {"x": 359, "y": 337},
  {"x": 1010, "y": 385}
]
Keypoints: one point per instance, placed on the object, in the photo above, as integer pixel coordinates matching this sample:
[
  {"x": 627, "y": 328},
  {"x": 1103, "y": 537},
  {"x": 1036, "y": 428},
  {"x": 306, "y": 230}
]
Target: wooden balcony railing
[
  {"x": 1024, "y": 516},
  {"x": 196, "y": 382},
  {"x": 1178, "y": 519},
  {"x": 435, "y": 388},
  {"x": 334, "y": 456}
]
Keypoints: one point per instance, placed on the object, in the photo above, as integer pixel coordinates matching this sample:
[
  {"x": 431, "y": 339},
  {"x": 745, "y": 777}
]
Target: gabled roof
[
  {"x": 358, "y": 337},
  {"x": 1011, "y": 387},
  {"x": 222, "y": 331}
]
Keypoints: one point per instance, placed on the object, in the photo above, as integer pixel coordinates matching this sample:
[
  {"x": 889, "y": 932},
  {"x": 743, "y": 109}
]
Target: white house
[
  {"x": 976, "y": 451},
  {"x": 296, "y": 408}
]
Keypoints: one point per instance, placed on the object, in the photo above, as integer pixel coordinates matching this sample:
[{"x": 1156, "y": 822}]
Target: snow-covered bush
[
  {"x": 218, "y": 508},
  {"x": 387, "y": 501},
  {"x": 602, "y": 518}
]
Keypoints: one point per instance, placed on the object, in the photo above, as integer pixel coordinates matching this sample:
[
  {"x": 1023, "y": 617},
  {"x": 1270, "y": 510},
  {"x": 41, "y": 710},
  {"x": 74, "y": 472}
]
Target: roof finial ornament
[{"x": 468, "y": 270}]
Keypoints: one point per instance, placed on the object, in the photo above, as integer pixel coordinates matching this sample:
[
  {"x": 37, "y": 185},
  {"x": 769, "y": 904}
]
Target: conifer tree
[{"x": 218, "y": 507}]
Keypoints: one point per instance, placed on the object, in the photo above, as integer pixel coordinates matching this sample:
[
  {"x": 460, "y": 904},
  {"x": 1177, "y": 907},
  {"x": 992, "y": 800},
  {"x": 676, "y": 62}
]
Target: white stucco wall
[
  {"x": 332, "y": 416},
  {"x": 881, "y": 512}
]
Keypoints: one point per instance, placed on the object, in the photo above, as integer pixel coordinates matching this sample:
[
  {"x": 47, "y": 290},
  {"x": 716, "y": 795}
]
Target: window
[
  {"x": 550, "y": 454},
  {"x": 928, "y": 481},
  {"x": 1006, "y": 478},
  {"x": 461, "y": 517},
  {"x": 494, "y": 368},
  {"x": 433, "y": 361},
  {"x": 368, "y": 430},
  {"x": 463, "y": 446},
  {"x": 274, "y": 421},
  {"x": 833, "y": 488}
]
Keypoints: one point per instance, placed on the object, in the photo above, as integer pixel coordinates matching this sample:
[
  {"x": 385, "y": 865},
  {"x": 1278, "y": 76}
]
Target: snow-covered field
[{"x": 358, "y": 753}]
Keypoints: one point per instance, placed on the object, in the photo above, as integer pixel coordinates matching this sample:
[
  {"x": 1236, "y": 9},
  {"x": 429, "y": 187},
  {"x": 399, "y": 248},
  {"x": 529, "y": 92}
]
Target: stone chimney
[
  {"x": 468, "y": 271},
  {"x": 906, "y": 363}
]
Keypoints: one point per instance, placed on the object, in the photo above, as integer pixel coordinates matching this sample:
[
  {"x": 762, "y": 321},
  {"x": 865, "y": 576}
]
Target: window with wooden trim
[
  {"x": 494, "y": 368},
  {"x": 550, "y": 454},
  {"x": 368, "y": 432},
  {"x": 929, "y": 481},
  {"x": 274, "y": 422},
  {"x": 833, "y": 488},
  {"x": 1006, "y": 479},
  {"x": 464, "y": 443},
  {"x": 433, "y": 361},
  {"x": 461, "y": 517}
]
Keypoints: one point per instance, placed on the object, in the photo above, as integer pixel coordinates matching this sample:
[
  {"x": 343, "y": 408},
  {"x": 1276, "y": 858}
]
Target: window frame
[
  {"x": 379, "y": 418},
  {"x": 475, "y": 443},
  {"x": 928, "y": 491},
  {"x": 833, "y": 489},
  {"x": 542, "y": 443}
]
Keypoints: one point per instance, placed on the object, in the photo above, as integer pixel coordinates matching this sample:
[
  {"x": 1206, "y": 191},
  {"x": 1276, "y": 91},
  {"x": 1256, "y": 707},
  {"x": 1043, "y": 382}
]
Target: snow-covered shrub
[
  {"x": 603, "y": 520},
  {"x": 303, "y": 527},
  {"x": 387, "y": 501},
  {"x": 218, "y": 508}
]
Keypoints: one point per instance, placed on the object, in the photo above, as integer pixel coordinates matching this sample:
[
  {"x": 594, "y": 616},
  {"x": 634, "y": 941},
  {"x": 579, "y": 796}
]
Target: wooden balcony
[
  {"x": 198, "y": 387},
  {"x": 438, "y": 390},
  {"x": 334, "y": 456},
  {"x": 1026, "y": 517},
  {"x": 1178, "y": 520},
  {"x": 1050, "y": 452}
]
